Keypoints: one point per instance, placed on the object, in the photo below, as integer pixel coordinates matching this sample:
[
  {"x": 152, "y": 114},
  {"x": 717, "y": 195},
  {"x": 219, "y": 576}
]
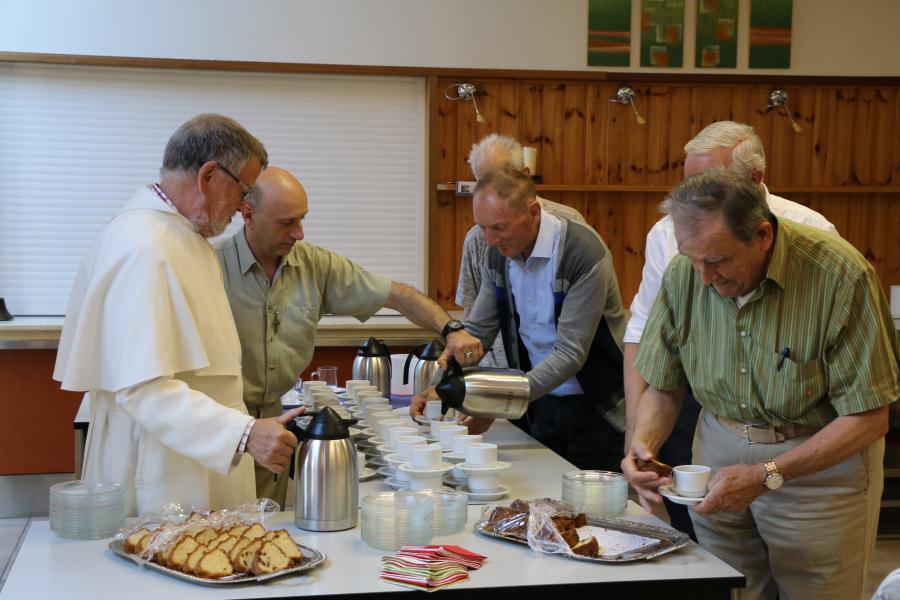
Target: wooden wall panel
[{"x": 849, "y": 148}]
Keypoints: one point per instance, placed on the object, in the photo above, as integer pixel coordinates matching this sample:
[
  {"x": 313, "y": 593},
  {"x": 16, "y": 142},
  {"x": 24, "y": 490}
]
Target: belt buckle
[{"x": 771, "y": 436}]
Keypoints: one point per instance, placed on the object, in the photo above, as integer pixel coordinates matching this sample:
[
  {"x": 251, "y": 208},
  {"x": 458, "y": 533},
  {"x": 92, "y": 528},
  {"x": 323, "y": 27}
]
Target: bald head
[{"x": 273, "y": 215}]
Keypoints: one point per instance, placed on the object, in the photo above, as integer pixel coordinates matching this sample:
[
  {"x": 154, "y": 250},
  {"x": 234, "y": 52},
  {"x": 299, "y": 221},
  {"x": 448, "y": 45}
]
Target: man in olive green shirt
[
  {"x": 785, "y": 337},
  {"x": 279, "y": 287}
]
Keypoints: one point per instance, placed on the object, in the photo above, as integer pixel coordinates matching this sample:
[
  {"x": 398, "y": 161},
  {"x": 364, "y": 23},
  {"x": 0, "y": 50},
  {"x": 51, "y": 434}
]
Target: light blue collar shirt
[{"x": 532, "y": 288}]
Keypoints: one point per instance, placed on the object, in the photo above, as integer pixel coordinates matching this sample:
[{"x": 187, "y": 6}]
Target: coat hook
[
  {"x": 465, "y": 91},
  {"x": 779, "y": 99},
  {"x": 625, "y": 95}
]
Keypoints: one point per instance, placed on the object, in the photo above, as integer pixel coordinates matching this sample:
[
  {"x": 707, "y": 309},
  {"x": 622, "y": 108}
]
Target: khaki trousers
[{"x": 809, "y": 538}]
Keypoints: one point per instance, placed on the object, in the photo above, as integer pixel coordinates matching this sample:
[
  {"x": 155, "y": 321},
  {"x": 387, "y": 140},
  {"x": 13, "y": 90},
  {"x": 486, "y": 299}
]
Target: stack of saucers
[
  {"x": 391, "y": 520},
  {"x": 85, "y": 510},
  {"x": 598, "y": 492},
  {"x": 450, "y": 508}
]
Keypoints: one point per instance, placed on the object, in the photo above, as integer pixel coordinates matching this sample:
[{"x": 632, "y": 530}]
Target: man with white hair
[
  {"x": 492, "y": 152},
  {"x": 722, "y": 144}
]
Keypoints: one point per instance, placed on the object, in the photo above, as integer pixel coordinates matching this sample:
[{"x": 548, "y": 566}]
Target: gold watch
[{"x": 774, "y": 478}]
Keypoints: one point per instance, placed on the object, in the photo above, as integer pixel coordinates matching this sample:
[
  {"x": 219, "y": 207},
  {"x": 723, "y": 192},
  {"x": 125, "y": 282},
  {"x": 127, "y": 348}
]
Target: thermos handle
[
  {"x": 453, "y": 366},
  {"x": 415, "y": 351}
]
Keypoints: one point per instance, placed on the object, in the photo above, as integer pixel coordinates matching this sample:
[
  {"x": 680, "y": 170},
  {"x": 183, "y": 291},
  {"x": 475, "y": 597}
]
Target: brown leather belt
[{"x": 763, "y": 433}]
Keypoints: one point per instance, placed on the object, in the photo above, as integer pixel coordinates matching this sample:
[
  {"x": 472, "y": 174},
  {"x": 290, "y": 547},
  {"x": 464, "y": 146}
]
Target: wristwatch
[
  {"x": 774, "y": 478},
  {"x": 451, "y": 326}
]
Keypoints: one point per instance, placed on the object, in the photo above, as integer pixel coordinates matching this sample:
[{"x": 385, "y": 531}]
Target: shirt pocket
[
  {"x": 792, "y": 391},
  {"x": 303, "y": 312}
]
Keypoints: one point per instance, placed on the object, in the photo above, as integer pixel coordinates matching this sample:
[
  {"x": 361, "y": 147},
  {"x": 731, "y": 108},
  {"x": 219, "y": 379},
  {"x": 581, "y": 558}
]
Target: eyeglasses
[{"x": 245, "y": 189}]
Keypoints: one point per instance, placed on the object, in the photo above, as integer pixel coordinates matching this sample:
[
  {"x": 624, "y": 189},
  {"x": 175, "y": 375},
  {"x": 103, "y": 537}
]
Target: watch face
[{"x": 774, "y": 481}]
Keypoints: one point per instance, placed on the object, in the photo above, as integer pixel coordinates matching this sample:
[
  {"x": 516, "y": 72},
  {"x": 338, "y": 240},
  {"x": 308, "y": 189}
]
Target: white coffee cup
[
  {"x": 385, "y": 425},
  {"x": 461, "y": 441},
  {"x": 308, "y": 385},
  {"x": 397, "y": 432},
  {"x": 424, "y": 481},
  {"x": 352, "y": 384},
  {"x": 433, "y": 410},
  {"x": 364, "y": 392},
  {"x": 690, "y": 480},
  {"x": 358, "y": 389},
  {"x": 361, "y": 460},
  {"x": 446, "y": 435},
  {"x": 427, "y": 456},
  {"x": 403, "y": 443},
  {"x": 483, "y": 482},
  {"x": 481, "y": 454},
  {"x": 436, "y": 427}
]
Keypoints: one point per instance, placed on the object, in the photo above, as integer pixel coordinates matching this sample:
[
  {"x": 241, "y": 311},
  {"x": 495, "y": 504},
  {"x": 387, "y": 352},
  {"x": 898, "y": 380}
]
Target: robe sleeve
[{"x": 173, "y": 413}]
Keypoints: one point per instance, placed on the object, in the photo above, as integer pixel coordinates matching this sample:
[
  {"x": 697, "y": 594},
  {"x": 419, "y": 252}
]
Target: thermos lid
[
  {"x": 327, "y": 425},
  {"x": 373, "y": 347},
  {"x": 432, "y": 350}
]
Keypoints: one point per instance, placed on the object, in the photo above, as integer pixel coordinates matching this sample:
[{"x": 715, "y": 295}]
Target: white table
[{"x": 48, "y": 566}]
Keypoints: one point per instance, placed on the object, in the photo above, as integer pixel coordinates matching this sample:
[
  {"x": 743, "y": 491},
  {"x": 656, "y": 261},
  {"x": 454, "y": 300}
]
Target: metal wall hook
[
  {"x": 779, "y": 99},
  {"x": 625, "y": 95},
  {"x": 465, "y": 91}
]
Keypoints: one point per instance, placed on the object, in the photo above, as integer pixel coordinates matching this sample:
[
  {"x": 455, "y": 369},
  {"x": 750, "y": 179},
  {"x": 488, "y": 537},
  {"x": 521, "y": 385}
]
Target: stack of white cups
[
  {"x": 425, "y": 469},
  {"x": 482, "y": 468}
]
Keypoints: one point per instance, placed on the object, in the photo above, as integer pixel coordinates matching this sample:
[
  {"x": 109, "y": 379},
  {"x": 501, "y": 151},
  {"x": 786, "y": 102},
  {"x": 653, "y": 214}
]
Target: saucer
[
  {"x": 408, "y": 468},
  {"x": 362, "y": 443},
  {"x": 369, "y": 451},
  {"x": 494, "y": 466},
  {"x": 366, "y": 473},
  {"x": 452, "y": 481},
  {"x": 669, "y": 492},
  {"x": 422, "y": 420},
  {"x": 377, "y": 461},
  {"x": 496, "y": 494},
  {"x": 386, "y": 471},
  {"x": 385, "y": 449},
  {"x": 397, "y": 485},
  {"x": 377, "y": 441}
]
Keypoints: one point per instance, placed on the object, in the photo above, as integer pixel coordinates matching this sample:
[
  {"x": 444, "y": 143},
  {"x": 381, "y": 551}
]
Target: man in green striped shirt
[{"x": 785, "y": 337}]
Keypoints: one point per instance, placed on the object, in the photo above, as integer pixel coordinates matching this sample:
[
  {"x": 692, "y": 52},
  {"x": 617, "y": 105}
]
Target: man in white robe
[{"x": 149, "y": 335}]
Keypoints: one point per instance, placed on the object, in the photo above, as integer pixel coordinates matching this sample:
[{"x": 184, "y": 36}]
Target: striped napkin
[{"x": 429, "y": 568}]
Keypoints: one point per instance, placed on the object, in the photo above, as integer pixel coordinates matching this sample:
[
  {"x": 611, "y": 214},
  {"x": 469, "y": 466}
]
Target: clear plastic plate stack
[
  {"x": 391, "y": 520},
  {"x": 598, "y": 492},
  {"x": 450, "y": 509},
  {"x": 86, "y": 510}
]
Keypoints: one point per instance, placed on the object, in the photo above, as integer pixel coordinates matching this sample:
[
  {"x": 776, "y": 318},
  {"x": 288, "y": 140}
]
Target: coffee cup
[
  {"x": 394, "y": 433},
  {"x": 481, "y": 454},
  {"x": 361, "y": 460},
  {"x": 433, "y": 410},
  {"x": 403, "y": 443},
  {"x": 690, "y": 480},
  {"x": 446, "y": 435},
  {"x": 427, "y": 456},
  {"x": 461, "y": 441}
]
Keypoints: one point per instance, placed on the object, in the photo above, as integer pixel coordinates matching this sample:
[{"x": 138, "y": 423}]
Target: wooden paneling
[
  {"x": 848, "y": 151},
  {"x": 36, "y": 428}
]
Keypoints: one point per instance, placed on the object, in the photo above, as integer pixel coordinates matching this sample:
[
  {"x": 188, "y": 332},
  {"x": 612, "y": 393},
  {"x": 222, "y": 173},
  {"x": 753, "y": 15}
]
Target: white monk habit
[{"x": 149, "y": 335}]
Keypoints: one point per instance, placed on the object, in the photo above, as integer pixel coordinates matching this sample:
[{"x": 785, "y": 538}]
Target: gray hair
[
  {"x": 740, "y": 202},
  {"x": 209, "y": 137},
  {"x": 496, "y": 150},
  {"x": 511, "y": 185},
  {"x": 747, "y": 151}
]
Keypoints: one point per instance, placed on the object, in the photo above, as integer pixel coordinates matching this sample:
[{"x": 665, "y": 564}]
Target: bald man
[{"x": 279, "y": 287}]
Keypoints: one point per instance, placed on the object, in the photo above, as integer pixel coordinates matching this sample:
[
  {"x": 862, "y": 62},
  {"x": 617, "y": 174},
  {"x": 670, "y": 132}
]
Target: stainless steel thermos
[
  {"x": 326, "y": 475},
  {"x": 373, "y": 362},
  {"x": 484, "y": 392},
  {"x": 426, "y": 367}
]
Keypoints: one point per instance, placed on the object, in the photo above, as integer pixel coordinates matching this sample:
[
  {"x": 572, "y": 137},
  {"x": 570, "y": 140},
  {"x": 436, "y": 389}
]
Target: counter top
[
  {"x": 48, "y": 566},
  {"x": 394, "y": 329}
]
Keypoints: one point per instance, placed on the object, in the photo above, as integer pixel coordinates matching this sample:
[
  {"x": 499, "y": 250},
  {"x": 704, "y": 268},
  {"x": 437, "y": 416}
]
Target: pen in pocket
[{"x": 784, "y": 354}]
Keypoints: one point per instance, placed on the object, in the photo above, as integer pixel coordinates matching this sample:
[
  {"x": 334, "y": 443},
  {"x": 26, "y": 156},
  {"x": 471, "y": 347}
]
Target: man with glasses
[
  {"x": 149, "y": 335},
  {"x": 279, "y": 286}
]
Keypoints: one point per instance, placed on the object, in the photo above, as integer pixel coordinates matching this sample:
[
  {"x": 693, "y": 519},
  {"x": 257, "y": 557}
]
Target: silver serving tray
[
  {"x": 668, "y": 540},
  {"x": 312, "y": 558}
]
